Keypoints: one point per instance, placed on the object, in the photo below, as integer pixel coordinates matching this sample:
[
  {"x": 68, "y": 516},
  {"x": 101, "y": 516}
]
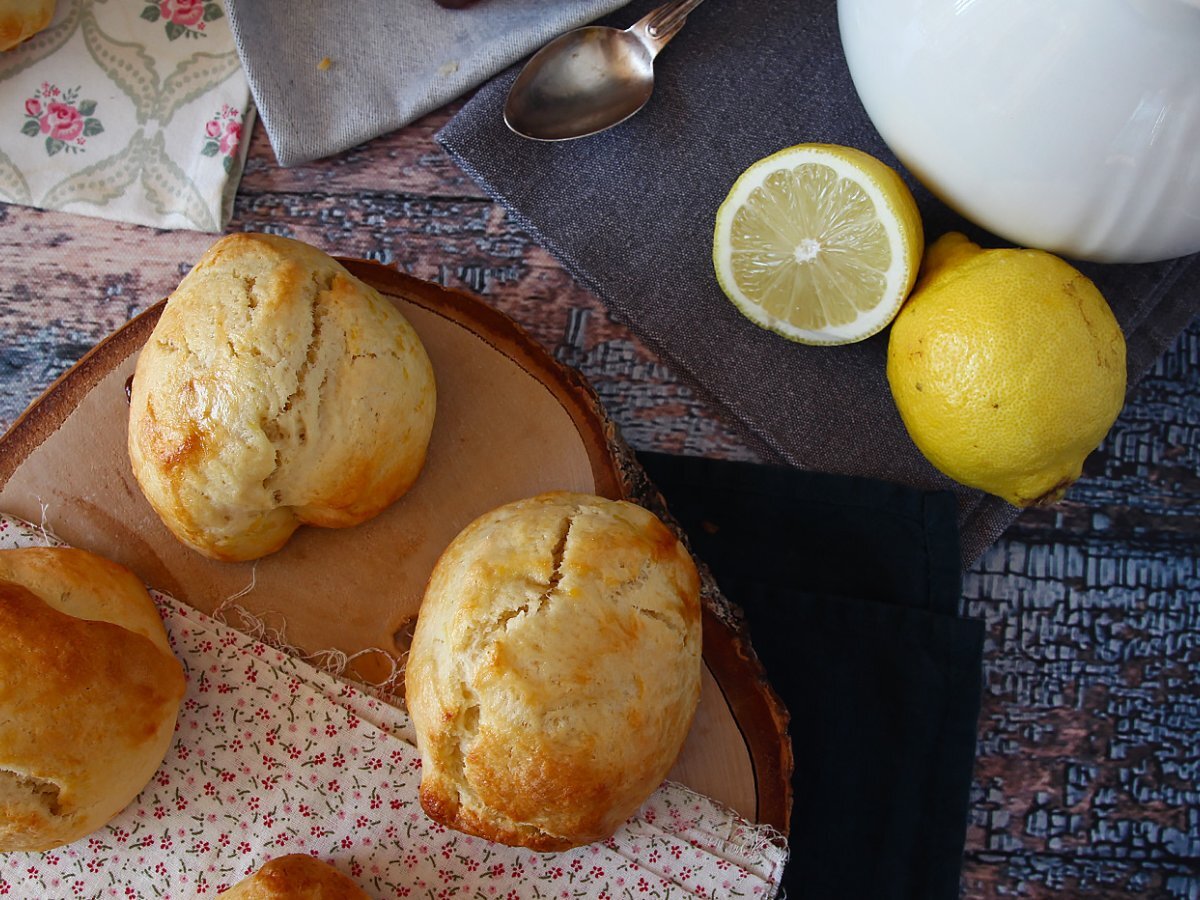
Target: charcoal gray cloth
[
  {"x": 629, "y": 212},
  {"x": 390, "y": 61},
  {"x": 851, "y": 590}
]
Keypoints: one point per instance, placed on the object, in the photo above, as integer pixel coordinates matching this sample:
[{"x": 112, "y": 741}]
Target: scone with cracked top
[
  {"x": 89, "y": 694},
  {"x": 554, "y": 670},
  {"x": 276, "y": 390}
]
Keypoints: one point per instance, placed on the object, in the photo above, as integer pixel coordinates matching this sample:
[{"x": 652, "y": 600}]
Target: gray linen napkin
[
  {"x": 630, "y": 213},
  {"x": 389, "y": 61}
]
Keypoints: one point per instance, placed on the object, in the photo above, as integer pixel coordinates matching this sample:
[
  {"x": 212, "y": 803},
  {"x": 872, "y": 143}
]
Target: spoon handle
[{"x": 662, "y": 23}]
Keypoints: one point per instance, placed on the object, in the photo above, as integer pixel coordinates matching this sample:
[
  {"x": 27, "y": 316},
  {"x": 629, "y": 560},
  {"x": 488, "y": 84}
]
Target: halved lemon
[{"x": 819, "y": 243}]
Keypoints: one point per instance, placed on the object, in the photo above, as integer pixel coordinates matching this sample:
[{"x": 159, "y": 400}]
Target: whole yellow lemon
[{"x": 1007, "y": 367}]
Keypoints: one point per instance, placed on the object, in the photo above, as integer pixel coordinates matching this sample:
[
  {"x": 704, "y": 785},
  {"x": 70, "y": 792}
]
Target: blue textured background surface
[{"x": 1092, "y": 665}]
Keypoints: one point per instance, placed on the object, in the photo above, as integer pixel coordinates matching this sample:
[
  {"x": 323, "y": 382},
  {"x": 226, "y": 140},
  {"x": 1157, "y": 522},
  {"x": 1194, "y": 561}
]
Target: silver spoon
[{"x": 591, "y": 78}]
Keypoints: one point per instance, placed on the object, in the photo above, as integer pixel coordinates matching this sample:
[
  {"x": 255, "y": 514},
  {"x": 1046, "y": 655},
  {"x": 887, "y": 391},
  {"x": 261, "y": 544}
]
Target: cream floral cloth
[
  {"x": 273, "y": 756},
  {"x": 135, "y": 110}
]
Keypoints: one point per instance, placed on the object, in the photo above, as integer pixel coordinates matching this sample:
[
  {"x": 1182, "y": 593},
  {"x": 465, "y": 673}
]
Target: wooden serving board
[{"x": 511, "y": 422}]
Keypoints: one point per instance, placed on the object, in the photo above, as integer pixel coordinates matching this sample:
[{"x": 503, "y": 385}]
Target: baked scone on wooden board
[
  {"x": 554, "y": 671},
  {"x": 510, "y": 423},
  {"x": 295, "y": 877},
  {"x": 22, "y": 19},
  {"x": 512, "y": 417},
  {"x": 89, "y": 694},
  {"x": 276, "y": 390}
]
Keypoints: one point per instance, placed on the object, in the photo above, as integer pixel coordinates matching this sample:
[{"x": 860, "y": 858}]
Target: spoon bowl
[
  {"x": 591, "y": 78},
  {"x": 581, "y": 83}
]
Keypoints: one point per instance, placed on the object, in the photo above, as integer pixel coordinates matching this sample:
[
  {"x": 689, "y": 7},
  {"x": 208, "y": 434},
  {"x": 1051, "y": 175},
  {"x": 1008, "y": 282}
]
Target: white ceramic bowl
[{"x": 1069, "y": 125}]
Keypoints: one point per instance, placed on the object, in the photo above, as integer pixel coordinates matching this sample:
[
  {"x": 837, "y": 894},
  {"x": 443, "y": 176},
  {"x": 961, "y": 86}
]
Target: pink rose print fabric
[
  {"x": 131, "y": 110},
  {"x": 182, "y": 18},
  {"x": 273, "y": 756},
  {"x": 61, "y": 117},
  {"x": 223, "y": 136}
]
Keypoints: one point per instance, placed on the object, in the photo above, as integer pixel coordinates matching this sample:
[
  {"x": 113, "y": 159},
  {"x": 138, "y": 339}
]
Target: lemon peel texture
[{"x": 1007, "y": 367}]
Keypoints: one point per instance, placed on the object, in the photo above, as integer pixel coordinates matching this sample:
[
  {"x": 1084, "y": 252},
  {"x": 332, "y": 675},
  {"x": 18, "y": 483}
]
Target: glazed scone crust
[
  {"x": 295, "y": 877},
  {"x": 22, "y": 19},
  {"x": 86, "y": 586},
  {"x": 87, "y": 704},
  {"x": 554, "y": 670},
  {"x": 276, "y": 390}
]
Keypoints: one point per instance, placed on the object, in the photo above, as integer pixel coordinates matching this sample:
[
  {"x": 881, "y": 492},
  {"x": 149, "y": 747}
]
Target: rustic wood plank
[{"x": 403, "y": 162}]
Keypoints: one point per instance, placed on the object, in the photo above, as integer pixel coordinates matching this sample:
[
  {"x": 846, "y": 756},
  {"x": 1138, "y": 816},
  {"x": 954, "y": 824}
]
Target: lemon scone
[
  {"x": 22, "y": 19},
  {"x": 276, "y": 390},
  {"x": 554, "y": 670},
  {"x": 295, "y": 877},
  {"x": 89, "y": 693}
]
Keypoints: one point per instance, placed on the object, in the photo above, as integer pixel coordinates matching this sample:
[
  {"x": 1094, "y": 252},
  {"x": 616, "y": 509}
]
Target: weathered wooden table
[{"x": 1088, "y": 773}]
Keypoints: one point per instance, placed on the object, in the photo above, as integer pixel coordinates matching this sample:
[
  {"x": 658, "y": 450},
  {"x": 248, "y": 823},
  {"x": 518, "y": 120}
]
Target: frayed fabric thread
[
  {"x": 48, "y": 536},
  {"x": 747, "y": 839},
  {"x": 331, "y": 661}
]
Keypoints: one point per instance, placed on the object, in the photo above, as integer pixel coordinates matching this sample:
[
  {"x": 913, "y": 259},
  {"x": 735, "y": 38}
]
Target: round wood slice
[{"x": 511, "y": 422}]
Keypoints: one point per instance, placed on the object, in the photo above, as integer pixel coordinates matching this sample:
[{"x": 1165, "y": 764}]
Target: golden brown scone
[
  {"x": 22, "y": 19},
  {"x": 89, "y": 692},
  {"x": 295, "y": 877},
  {"x": 554, "y": 670},
  {"x": 276, "y": 390}
]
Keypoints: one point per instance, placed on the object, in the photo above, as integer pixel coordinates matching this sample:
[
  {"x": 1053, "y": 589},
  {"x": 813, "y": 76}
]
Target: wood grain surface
[{"x": 1087, "y": 781}]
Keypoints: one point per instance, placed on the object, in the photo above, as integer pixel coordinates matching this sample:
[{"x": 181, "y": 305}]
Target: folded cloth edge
[{"x": 456, "y": 78}]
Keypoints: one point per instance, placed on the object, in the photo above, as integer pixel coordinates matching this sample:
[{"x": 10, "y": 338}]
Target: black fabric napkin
[
  {"x": 850, "y": 588},
  {"x": 630, "y": 212}
]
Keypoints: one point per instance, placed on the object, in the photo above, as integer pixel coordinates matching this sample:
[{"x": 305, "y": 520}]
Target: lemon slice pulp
[{"x": 819, "y": 243}]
